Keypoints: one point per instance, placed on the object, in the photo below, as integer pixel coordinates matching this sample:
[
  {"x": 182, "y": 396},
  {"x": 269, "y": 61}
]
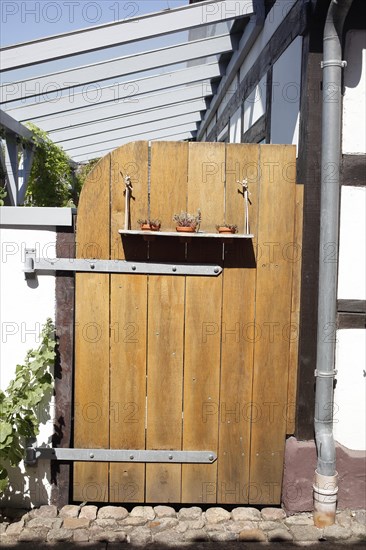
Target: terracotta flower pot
[
  {"x": 145, "y": 227},
  {"x": 154, "y": 227},
  {"x": 226, "y": 230},
  {"x": 181, "y": 229}
]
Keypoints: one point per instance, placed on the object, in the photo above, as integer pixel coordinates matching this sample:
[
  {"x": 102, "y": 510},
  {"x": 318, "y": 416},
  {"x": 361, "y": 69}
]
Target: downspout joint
[{"x": 333, "y": 63}]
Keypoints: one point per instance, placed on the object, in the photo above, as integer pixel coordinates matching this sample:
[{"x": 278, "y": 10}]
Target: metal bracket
[
  {"x": 329, "y": 374},
  {"x": 333, "y": 63},
  {"x": 33, "y": 264},
  {"x": 118, "y": 455}
]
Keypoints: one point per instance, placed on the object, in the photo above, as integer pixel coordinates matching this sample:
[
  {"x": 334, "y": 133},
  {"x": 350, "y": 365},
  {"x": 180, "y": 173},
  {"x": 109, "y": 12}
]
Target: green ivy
[
  {"x": 20, "y": 401},
  {"x": 3, "y": 195},
  {"x": 51, "y": 180}
]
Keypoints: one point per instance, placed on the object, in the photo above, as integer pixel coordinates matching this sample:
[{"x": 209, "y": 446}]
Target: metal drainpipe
[{"x": 326, "y": 478}]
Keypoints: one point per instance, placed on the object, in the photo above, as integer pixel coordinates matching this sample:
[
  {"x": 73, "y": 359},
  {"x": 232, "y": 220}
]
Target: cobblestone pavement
[{"x": 164, "y": 527}]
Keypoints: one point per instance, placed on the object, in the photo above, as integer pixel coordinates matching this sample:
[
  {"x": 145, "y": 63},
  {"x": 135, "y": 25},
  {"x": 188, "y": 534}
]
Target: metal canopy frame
[
  {"x": 123, "y": 32},
  {"x": 119, "y": 93},
  {"x": 110, "y": 110},
  {"x": 166, "y": 105},
  {"x": 16, "y": 157},
  {"x": 114, "y": 68}
]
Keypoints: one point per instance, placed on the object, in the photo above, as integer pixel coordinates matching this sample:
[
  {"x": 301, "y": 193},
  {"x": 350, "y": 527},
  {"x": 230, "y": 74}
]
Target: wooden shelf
[{"x": 177, "y": 234}]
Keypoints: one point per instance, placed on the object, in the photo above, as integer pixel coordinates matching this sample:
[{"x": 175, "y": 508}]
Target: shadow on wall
[{"x": 28, "y": 486}]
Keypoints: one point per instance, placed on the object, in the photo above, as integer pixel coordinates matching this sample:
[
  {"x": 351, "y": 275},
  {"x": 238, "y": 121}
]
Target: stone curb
[{"x": 163, "y": 524}]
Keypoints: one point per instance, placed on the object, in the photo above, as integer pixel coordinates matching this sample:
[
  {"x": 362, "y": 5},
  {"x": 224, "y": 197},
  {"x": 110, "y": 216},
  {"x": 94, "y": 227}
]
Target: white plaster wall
[
  {"x": 273, "y": 20},
  {"x": 24, "y": 308},
  {"x": 255, "y": 104},
  {"x": 352, "y": 244},
  {"x": 354, "y": 103},
  {"x": 235, "y": 127},
  {"x": 350, "y": 391},
  {"x": 286, "y": 86}
]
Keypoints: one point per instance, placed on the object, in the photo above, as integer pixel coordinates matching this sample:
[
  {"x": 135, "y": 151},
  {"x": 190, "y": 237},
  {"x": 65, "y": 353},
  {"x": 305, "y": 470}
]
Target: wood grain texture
[
  {"x": 132, "y": 160},
  {"x": 165, "y": 383},
  {"x": 91, "y": 404},
  {"x": 237, "y": 344},
  {"x": 168, "y": 191},
  {"x": 194, "y": 363},
  {"x": 272, "y": 317},
  {"x": 64, "y": 367},
  {"x": 168, "y": 194},
  {"x": 128, "y": 326},
  {"x": 206, "y": 177},
  {"x": 308, "y": 169},
  {"x": 294, "y": 255}
]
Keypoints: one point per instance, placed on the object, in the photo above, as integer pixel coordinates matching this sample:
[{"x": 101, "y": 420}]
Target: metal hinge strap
[
  {"x": 32, "y": 264},
  {"x": 118, "y": 455}
]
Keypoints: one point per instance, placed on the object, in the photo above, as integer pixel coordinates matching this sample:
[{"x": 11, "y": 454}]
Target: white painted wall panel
[
  {"x": 352, "y": 244},
  {"x": 273, "y": 20},
  {"x": 350, "y": 391},
  {"x": 354, "y": 102},
  {"x": 255, "y": 105},
  {"x": 286, "y": 87},
  {"x": 235, "y": 127},
  {"x": 24, "y": 308}
]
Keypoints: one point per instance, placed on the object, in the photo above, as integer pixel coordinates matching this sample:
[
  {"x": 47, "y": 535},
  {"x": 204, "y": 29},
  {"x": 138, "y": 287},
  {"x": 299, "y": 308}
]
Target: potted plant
[
  {"x": 155, "y": 225},
  {"x": 186, "y": 222},
  {"x": 149, "y": 225},
  {"x": 227, "y": 228}
]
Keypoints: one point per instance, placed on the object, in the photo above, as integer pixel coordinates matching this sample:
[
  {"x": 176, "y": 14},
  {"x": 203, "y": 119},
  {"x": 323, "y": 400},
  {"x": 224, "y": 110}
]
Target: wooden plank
[
  {"x": 178, "y": 236},
  {"x": 168, "y": 194},
  {"x": 164, "y": 384},
  {"x": 91, "y": 405},
  {"x": 168, "y": 190},
  {"x": 351, "y": 320},
  {"x": 353, "y": 170},
  {"x": 309, "y": 163},
  {"x": 294, "y": 254},
  {"x": 351, "y": 306},
  {"x": 128, "y": 326},
  {"x": 272, "y": 317},
  {"x": 206, "y": 177},
  {"x": 237, "y": 319},
  {"x": 257, "y": 132},
  {"x": 269, "y": 99},
  {"x": 64, "y": 366}
]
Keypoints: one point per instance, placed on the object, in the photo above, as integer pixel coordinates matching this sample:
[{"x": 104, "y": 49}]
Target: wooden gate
[{"x": 192, "y": 363}]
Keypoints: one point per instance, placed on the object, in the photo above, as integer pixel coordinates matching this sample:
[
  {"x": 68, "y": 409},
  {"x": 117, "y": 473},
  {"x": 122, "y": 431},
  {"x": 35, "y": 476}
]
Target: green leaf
[
  {"x": 5, "y": 430},
  {"x": 4, "y": 480},
  {"x": 7, "y": 442},
  {"x": 19, "y": 403}
]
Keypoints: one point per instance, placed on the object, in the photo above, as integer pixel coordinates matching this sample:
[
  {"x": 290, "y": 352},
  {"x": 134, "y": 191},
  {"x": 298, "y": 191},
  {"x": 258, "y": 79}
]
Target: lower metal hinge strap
[{"x": 118, "y": 455}]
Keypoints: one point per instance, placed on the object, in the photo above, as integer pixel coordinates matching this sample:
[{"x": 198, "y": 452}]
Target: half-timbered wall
[{"x": 278, "y": 90}]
